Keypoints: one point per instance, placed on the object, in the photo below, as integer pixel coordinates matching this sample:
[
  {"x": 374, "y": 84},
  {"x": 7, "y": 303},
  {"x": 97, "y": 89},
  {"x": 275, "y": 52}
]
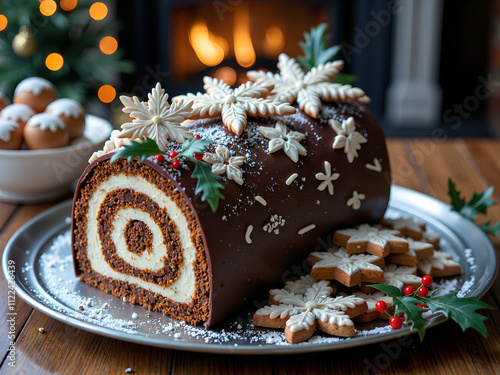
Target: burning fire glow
[
  {"x": 243, "y": 47},
  {"x": 209, "y": 48}
]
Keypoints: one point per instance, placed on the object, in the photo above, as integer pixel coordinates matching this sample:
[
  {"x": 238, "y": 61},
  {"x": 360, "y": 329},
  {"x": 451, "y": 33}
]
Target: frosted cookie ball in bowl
[
  {"x": 71, "y": 114},
  {"x": 36, "y": 92},
  {"x": 38, "y": 175}
]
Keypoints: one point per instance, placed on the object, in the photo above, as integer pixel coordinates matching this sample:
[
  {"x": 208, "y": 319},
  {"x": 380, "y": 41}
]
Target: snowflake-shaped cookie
[
  {"x": 327, "y": 178},
  {"x": 347, "y": 137},
  {"x": 156, "y": 119},
  {"x": 301, "y": 285},
  {"x": 355, "y": 200},
  {"x": 348, "y": 269},
  {"x": 401, "y": 276},
  {"x": 300, "y": 315},
  {"x": 371, "y": 300},
  {"x": 234, "y": 105},
  {"x": 409, "y": 227},
  {"x": 432, "y": 238},
  {"x": 280, "y": 137},
  {"x": 308, "y": 89},
  {"x": 368, "y": 239},
  {"x": 222, "y": 162},
  {"x": 440, "y": 264},
  {"x": 417, "y": 250}
]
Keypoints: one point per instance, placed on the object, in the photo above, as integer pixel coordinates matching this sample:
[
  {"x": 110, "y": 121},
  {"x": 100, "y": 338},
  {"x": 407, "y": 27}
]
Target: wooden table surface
[{"x": 422, "y": 165}]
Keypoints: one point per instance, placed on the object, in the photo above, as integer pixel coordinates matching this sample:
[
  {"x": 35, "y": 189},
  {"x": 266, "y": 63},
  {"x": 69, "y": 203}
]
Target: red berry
[
  {"x": 409, "y": 290},
  {"x": 423, "y": 291},
  {"x": 427, "y": 280},
  {"x": 402, "y": 316},
  {"x": 197, "y": 136},
  {"x": 172, "y": 155},
  {"x": 160, "y": 158},
  {"x": 381, "y": 306},
  {"x": 176, "y": 164},
  {"x": 396, "y": 322},
  {"x": 198, "y": 156},
  {"x": 421, "y": 305}
]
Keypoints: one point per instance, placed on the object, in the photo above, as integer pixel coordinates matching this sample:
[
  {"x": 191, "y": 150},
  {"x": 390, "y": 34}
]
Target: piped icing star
[
  {"x": 222, "y": 162},
  {"x": 368, "y": 239},
  {"x": 234, "y": 105},
  {"x": 308, "y": 89},
  {"x": 327, "y": 178},
  {"x": 409, "y": 227},
  {"x": 280, "y": 137},
  {"x": 347, "y": 137},
  {"x": 355, "y": 200},
  {"x": 348, "y": 269},
  {"x": 156, "y": 119},
  {"x": 440, "y": 264},
  {"x": 300, "y": 314}
]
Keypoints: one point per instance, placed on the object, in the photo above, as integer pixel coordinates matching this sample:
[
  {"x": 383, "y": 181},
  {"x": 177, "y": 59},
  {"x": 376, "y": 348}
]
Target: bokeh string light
[
  {"x": 108, "y": 45},
  {"x": 48, "y": 7},
  {"x": 3, "y": 22},
  {"x": 68, "y": 5},
  {"x": 106, "y": 93},
  {"x": 54, "y": 61},
  {"x": 98, "y": 11}
]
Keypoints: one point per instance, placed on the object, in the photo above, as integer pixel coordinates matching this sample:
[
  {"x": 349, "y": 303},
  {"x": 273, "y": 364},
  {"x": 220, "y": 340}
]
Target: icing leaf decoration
[
  {"x": 478, "y": 204},
  {"x": 207, "y": 183},
  {"x": 461, "y": 310}
]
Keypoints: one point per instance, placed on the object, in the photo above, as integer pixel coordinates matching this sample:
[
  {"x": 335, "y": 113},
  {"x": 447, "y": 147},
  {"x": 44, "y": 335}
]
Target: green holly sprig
[
  {"x": 410, "y": 305},
  {"x": 478, "y": 204},
  {"x": 193, "y": 150}
]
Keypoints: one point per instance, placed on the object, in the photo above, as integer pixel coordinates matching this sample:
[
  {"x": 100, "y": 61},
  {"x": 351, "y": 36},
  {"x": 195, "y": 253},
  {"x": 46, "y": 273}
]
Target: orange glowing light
[
  {"x": 227, "y": 74},
  {"x": 275, "y": 40},
  {"x": 68, "y": 5},
  {"x": 3, "y": 22},
  {"x": 98, "y": 11},
  {"x": 48, "y": 7},
  {"x": 106, "y": 93},
  {"x": 108, "y": 45},
  {"x": 54, "y": 61},
  {"x": 209, "y": 48},
  {"x": 243, "y": 47}
]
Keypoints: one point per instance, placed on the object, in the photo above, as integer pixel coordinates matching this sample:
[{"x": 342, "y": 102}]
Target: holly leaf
[
  {"x": 494, "y": 230},
  {"x": 408, "y": 306},
  {"x": 390, "y": 290},
  {"x": 193, "y": 146},
  {"x": 314, "y": 48},
  {"x": 461, "y": 310},
  {"x": 457, "y": 202},
  {"x": 479, "y": 203},
  {"x": 207, "y": 184},
  {"x": 141, "y": 149}
]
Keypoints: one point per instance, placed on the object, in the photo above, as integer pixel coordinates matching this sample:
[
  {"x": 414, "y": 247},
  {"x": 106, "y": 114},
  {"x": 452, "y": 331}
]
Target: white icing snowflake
[
  {"x": 157, "y": 119},
  {"x": 399, "y": 276},
  {"x": 235, "y": 105},
  {"x": 347, "y": 138},
  {"x": 6, "y": 128},
  {"x": 282, "y": 138},
  {"x": 355, "y": 200},
  {"x": 348, "y": 263},
  {"x": 303, "y": 310},
  {"x": 439, "y": 260},
  {"x": 308, "y": 89},
  {"x": 327, "y": 178},
  {"x": 222, "y": 162},
  {"x": 375, "y": 236},
  {"x": 301, "y": 285},
  {"x": 111, "y": 144}
]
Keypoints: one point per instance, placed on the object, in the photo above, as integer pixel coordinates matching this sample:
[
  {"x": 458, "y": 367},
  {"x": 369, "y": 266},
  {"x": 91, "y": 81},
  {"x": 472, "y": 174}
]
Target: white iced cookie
[
  {"x": 45, "y": 131},
  {"x": 11, "y": 135},
  {"x": 35, "y": 92},
  {"x": 71, "y": 113}
]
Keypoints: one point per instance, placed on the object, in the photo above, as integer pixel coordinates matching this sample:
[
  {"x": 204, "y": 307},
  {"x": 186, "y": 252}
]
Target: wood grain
[{"x": 422, "y": 165}]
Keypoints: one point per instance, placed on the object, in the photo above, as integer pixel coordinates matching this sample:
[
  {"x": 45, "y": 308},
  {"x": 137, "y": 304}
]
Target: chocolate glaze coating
[{"x": 236, "y": 268}]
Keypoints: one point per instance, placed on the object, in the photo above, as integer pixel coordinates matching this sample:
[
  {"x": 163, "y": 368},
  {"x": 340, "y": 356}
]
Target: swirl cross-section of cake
[{"x": 282, "y": 179}]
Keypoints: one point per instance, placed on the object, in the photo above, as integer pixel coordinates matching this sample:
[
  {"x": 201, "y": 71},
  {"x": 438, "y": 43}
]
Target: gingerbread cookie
[
  {"x": 348, "y": 269},
  {"x": 408, "y": 227},
  {"x": 418, "y": 250},
  {"x": 432, "y": 238},
  {"x": 301, "y": 285},
  {"x": 372, "y": 313},
  {"x": 440, "y": 264},
  {"x": 372, "y": 240},
  {"x": 300, "y": 315},
  {"x": 399, "y": 276}
]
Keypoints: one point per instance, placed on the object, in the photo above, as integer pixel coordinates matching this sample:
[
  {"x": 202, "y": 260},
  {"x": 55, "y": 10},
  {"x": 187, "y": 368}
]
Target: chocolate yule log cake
[{"x": 194, "y": 205}]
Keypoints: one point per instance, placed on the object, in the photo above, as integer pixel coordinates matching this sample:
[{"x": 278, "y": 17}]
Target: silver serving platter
[{"x": 45, "y": 279}]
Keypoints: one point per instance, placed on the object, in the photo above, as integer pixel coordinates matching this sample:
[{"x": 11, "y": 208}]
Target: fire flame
[
  {"x": 243, "y": 47},
  {"x": 209, "y": 48}
]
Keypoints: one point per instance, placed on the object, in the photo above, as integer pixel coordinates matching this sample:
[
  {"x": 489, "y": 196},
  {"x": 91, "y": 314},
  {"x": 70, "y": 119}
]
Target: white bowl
[{"x": 33, "y": 176}]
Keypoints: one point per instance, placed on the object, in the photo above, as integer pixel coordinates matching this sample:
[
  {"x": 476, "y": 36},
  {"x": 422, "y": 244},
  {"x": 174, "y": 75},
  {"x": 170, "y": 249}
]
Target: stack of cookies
[{"x": 393, "y": 253}]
